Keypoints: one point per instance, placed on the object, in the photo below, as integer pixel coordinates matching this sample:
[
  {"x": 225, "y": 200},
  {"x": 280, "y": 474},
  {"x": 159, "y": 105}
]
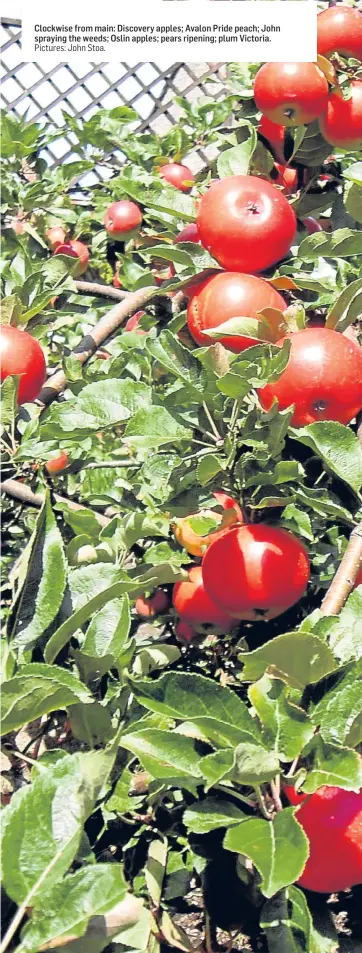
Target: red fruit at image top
[
  {"x": 323, "y": 378},
  {"x": 178, "y": 175},
  {"x": 246, "y": 223},
  {"x": 225, "y": 296},
  {"x": 21, "y": 354},
  {"x": 255, "y": 572},
  {"x": 341, "y": 123},
  {"x": 339, "y": 30},
  {"x": 195, "y": 606},
  {"x": 274, "y": 134},
  {"x": 291, "y": 93},
  {"x": 189, "y": 234},
  {"x": 332, "y": 821},
  {"x": 122, "y": 218},
  {"x": 75, "y": 249}
]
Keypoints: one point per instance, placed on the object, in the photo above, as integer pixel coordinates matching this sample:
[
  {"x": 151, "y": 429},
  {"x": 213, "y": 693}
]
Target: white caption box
[{"x": 165, "y": 32}]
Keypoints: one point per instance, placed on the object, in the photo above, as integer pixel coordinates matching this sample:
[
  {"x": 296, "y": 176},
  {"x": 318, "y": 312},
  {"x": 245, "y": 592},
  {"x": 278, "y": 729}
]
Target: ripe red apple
[
  {"x": 122, "y": 220},
  {"x": 332, "y": 821}
]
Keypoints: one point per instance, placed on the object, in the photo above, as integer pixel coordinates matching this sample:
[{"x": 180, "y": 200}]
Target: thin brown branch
[
  {"x": 22, "y": 493},
  {"x": 346, "y": 575},
  {"x": 105, "y": 291},
  {"x": 108, "y": 324}
]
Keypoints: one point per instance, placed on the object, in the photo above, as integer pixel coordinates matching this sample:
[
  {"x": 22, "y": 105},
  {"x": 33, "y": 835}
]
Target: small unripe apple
[{"x": 85, "y": 554}]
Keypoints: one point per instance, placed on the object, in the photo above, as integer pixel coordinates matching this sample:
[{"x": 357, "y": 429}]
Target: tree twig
[
  {"x": 107, "y": 325},
  {"x": 105, "y": 291},
  {"x": 23, "y": 493},
  {"x": 346, "y": 575}
]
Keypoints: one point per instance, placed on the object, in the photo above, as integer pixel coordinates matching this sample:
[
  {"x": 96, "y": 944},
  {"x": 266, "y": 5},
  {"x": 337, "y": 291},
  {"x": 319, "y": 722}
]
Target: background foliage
[{"x": 155, "y": 766}]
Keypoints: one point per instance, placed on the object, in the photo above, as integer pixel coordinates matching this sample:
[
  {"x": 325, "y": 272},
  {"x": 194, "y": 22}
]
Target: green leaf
[
  {"x": 216, "y": 766},
  {"x": 40, "y": 815},
  {"x": 203, "y": 524},
  {"x": 153, "y": 427},
  {"x": 265, "y": 362},
  {"x": 287, "y": 922},
  {"x": 99, "y": 405},
  {"x": 218, "y": 733},
  {"x": 147, "y": 579},
  {"x": 178, "y": 361},
  {"x": 253, "y": 764},
  {"x": 173, "y": 202},
  {"x": 298, "y": 520},
  {"x": 155, "y": 658},
  {"x": 155, "y": 868},
  {"x": 248, "y": 327},
  {"x": 236, "y": 161},
  {"x": 286, "y": 471},
  {"x": 192, "y": 697},
  {"x": 297, "y": 658},
  {"x": 37, "y": 690},
  {"x": 286, "y": 727},
  {"x": 163, "y": 753},
  {"x": 9, "y": 403},
  {"x": 91, "y": 724},
  {"x": 137, "y": 938},
  {"x": 339, "y": 713},
  {"x": 177, "y": 254},
  {"x": 211, "y": 814},
  {"x": 342, "y": 243},
  {"x": 62, "y": 635},
  {"x": 347, "y": 307},
  {"x": 279, "y": 848},
  {"x": 353, "y": 201},
  {"x": 312, "y": 150},
  {"x": 354, "y": 173},
  {"x": 337, "y": 767},
  {"x": 92, "y": 900},
  {"x": 11, "y": 308},
  {"x": 208, "y": 468},
  {"x": 338, "y": 447},
  {"x": 43, "y": 588},
  {"x": 106, "y": 636}
]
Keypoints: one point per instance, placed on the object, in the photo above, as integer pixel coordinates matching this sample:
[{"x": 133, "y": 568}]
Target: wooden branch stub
[{"x": 346, "y": 575}]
